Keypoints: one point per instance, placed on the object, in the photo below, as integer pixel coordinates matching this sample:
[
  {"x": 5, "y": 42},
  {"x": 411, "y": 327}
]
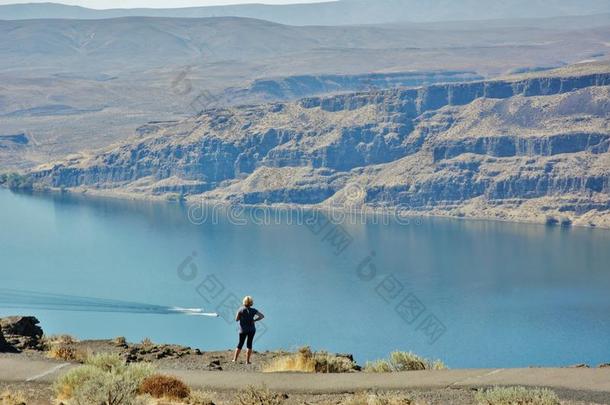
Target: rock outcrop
[
  {"x": 4, "y": 346},
  {"x": 295, "y": 87},
  {"x": 521, "y": 148},
  {"x": 21, "y": 332}
]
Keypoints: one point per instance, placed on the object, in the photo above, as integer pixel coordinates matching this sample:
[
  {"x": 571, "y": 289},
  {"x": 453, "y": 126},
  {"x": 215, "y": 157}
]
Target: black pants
[{"x": 242, "y": 339}]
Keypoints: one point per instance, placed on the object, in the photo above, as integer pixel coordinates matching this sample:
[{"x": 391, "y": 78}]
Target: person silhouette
[{"x": 247, "y": 316}]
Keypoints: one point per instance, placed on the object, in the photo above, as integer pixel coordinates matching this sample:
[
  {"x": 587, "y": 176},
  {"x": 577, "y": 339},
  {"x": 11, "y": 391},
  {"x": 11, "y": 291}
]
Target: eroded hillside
[{"x": 521, "y": 148}]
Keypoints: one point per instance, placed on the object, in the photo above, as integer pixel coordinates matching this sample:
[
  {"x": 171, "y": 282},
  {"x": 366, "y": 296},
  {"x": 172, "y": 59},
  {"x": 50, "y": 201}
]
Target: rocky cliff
[
  {"x": 524, "y": 148},
  {"x": 295, "y": 87},
  {"x": 20, "y": 333}
]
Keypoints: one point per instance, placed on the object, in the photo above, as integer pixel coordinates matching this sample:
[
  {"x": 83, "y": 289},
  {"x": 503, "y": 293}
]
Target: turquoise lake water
[{"x": 473, "y": 293}]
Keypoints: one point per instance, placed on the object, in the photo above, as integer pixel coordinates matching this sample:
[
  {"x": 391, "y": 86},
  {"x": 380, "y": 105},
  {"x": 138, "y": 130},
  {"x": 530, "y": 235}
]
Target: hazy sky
[{"x": 156, "y": 3}]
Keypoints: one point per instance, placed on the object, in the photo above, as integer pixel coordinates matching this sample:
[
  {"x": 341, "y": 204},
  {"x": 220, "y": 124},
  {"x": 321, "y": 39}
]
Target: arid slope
[{"x": 523, "y": 148}]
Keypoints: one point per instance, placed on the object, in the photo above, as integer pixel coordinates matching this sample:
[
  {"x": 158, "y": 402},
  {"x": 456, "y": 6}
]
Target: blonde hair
[{"x": 248, "y": 301}]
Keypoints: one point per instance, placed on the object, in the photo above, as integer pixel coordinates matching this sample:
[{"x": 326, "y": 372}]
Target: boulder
[
  {"x": 21, "y": 332},
  {"x": 4, "y": 346}
]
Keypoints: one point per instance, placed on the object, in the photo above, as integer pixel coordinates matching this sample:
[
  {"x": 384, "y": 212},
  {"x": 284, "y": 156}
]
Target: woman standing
[{"x": 246, "y": 316}]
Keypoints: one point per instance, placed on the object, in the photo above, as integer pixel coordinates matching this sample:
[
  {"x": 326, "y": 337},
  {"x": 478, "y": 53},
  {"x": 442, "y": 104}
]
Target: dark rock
[
  {"x": 22, "y": 332},
  {"x": 581, "y": 365},
  {"x": 4, "y": 346},
  {"x": 348, "y": 356},
  {"x": 604, "y": 365}
]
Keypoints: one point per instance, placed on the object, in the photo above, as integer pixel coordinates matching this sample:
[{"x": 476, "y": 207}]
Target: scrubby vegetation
[
  {"x": 258, "y": 396},
  {"x": 517, "y": 396},
  {"x": 12, "y": 398},
  {"x": 146, "y": 342},
  {"x": 104, "y": 379},
  {"x": 403, "y": 361},
  {"x": 378, "y": 366},
  {"x": 120, "y": 341},
  {"x": 163, "y": 386},
  {"x": 60, "y": 339},
  {"x": 200, "y": 398},
  {"x": 304, "y": 360},
  {"x": 65, "y": 352},
  {"x": 62, "y": 347},
  {"x": 16, "y": 181},
  {"x": 364, "y": 398}
]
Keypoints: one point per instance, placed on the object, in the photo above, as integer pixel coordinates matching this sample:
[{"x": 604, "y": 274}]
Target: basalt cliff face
[{"x": 524, "y": 148}]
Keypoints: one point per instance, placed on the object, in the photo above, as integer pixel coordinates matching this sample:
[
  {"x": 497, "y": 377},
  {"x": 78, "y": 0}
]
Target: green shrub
[
  {"x": 108, "y": 362},
  {"x": 403, "y": 361},
  {"x": 68, "y": 384},
  {"x": 104, "y": 379},
  {"x": 516, "y": 396}
]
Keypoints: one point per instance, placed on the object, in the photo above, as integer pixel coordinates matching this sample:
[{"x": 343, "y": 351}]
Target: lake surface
[{"x": 473, "y": 293}]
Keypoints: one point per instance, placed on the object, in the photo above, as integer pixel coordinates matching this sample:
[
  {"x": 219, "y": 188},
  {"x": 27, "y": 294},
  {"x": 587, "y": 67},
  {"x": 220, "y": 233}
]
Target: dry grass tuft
[
  {"x": 12, "y": 398},
  {"x": 60, "y": 339},
  {"x": 60, "y": 351},
  {"x": 516, "y": 396},
  {"x": 378, "y": 366},
  {"x": 403, "y": 361},
  {"x": 200, "y": 398},
  {"x": 163, "y": 386},
  {"x": 364, "y": 398},
  {"x": 258, "y": 396},
  {"x": 307, "y": 361},
  {"x": 120, "y": 341}
]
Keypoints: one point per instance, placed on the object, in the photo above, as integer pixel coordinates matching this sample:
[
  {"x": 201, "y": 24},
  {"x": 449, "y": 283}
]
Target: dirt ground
[{"x": 173, "y": 357}]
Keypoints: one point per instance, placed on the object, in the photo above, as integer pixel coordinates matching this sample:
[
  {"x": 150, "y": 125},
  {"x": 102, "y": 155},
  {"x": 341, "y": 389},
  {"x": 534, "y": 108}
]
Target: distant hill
[
  {"x": 342, "y": 12},
  {"x": 98, "y": 80},
  {"x": 91, "y": 45}
]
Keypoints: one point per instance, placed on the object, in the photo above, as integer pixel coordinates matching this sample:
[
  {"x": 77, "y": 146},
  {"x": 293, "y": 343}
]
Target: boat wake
[{"x": 60, "y": 302}]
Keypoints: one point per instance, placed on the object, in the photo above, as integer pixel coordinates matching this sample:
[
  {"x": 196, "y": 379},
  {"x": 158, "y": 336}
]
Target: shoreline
[
  {"x": 176, "y": 356},
  {"x": 368, "y": 211}
]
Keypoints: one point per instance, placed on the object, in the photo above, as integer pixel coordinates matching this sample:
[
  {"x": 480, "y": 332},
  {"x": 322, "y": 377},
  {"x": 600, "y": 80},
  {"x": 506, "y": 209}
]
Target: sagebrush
[
  {"x": 304, "y": 360},
  {"x": 67, "y": 352},
  {"x": 516, "y": 396},
  {"x": 258, "y": 396},
  {"x": 403, "y": 361},
  {"x": 104, "y": 379},
  {"x": 200, "y": 398},
  {"x": 364, "y": 398},
  {"x": 9, "y": 397}
]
